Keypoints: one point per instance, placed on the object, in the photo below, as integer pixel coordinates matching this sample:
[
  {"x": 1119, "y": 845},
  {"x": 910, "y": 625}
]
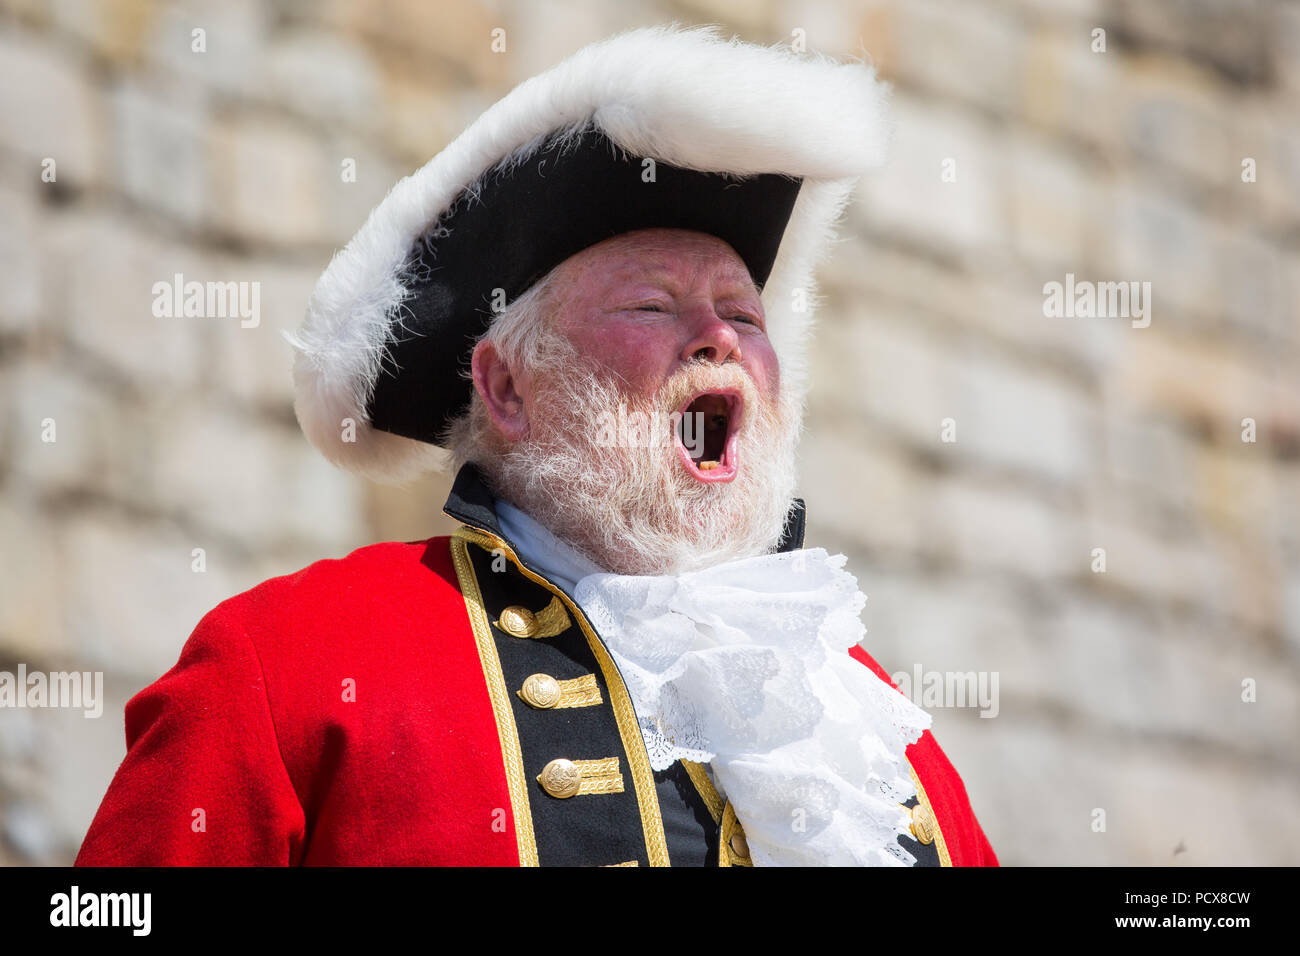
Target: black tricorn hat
[
  {"x": 524, "y": 219},
  {"x": 658, "y": 127}
]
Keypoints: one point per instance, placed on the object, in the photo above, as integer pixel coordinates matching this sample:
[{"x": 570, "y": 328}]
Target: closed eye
[{"x": 740, "y": 317}]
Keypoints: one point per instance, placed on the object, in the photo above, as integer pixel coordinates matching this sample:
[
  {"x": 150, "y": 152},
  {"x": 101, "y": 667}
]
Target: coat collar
[{"x": 472, "y": 503}]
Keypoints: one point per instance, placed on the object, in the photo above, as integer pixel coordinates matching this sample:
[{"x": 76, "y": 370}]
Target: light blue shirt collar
[{"x": 560, "y": 562}]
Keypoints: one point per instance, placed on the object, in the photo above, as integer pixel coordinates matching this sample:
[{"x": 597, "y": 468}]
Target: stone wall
[{"x": 967, "y": 451}]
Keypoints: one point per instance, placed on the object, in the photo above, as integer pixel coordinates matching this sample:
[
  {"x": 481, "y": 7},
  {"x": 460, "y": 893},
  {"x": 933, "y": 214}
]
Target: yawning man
[{"x": 594, "y": 304}]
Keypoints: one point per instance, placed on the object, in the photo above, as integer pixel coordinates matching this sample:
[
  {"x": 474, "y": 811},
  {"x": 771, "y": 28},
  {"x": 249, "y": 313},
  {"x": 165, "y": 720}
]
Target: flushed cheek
[
  {"x": 766, "y": 372},
  {"x": 640, "y": 360}
]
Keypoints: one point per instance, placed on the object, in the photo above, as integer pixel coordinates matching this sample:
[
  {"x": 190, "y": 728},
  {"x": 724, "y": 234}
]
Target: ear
[{"x": 500, "y": 391}]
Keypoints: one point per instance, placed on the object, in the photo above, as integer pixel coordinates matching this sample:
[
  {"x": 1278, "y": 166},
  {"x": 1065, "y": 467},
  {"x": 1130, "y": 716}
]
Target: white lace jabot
[{"x": 745, "y": 666}]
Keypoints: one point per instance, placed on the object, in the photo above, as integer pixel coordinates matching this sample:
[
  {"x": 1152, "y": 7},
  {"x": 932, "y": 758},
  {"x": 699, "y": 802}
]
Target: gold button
[
  {"x": 561, "y": 778},
  {"x": 541, "y": 691},
  {"x": 518, "y": 621},
  {"x": 922, "y": 824},
  {"x": 739, "y": 845}
]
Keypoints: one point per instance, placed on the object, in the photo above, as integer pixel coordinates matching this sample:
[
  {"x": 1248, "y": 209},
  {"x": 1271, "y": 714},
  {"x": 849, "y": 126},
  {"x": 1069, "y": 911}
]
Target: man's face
[
  {"x": 645, "y": 305},
  {"x": 651, "y": 433}
]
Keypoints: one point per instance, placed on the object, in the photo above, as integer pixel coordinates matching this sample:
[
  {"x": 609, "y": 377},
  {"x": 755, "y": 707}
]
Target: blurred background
[{"x": 1023, "y": 153}]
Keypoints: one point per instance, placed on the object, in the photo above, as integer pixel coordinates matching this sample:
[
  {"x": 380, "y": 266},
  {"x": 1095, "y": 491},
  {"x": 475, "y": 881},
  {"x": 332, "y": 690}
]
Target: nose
[{"x": 710, "y": 338}]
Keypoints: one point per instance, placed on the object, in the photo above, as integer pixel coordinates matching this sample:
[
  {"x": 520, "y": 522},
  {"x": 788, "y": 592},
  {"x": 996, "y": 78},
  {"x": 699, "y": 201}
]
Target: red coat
[{"x": 361, "y": 711}]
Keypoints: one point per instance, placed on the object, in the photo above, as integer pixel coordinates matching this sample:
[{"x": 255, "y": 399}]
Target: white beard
[{"x": 634, "y": 508}]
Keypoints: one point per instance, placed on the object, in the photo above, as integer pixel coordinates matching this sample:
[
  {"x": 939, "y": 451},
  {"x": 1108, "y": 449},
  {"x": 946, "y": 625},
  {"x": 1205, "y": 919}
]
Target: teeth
[{"x": 708, "y": 465}]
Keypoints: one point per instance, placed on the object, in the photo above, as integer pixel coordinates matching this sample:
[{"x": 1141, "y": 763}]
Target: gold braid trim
[
  {"x": 704, "y": 786},
  {"x": 730, "y": 829},
  {"x": 507, "y": 732},
  {"x": 923, "y": 800},
  {"x": 599, "y": 776},
  {"x": 643, "y": 781},
  {"x": 580, "y": 692}
]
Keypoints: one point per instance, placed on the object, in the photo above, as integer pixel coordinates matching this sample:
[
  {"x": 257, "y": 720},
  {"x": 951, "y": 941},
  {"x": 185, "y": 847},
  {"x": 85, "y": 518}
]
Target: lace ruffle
[{"x": 744, "y": 666}]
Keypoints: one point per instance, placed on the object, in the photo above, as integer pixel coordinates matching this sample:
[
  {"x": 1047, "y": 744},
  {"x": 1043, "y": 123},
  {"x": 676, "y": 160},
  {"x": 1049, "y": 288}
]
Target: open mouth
[{"x": 706, "y": 435}]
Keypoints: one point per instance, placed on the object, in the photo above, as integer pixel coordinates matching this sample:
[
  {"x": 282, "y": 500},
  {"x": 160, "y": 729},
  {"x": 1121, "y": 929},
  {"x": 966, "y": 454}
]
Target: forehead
[{"x": 672, "y": 257}]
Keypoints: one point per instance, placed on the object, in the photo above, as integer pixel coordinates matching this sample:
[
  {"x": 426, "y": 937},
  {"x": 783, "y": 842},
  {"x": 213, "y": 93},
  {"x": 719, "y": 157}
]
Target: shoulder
[
  {"x": 370, "y": 576},
  {"x": 368, "y": 623},
  {"x": 382, "y": 599}
]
